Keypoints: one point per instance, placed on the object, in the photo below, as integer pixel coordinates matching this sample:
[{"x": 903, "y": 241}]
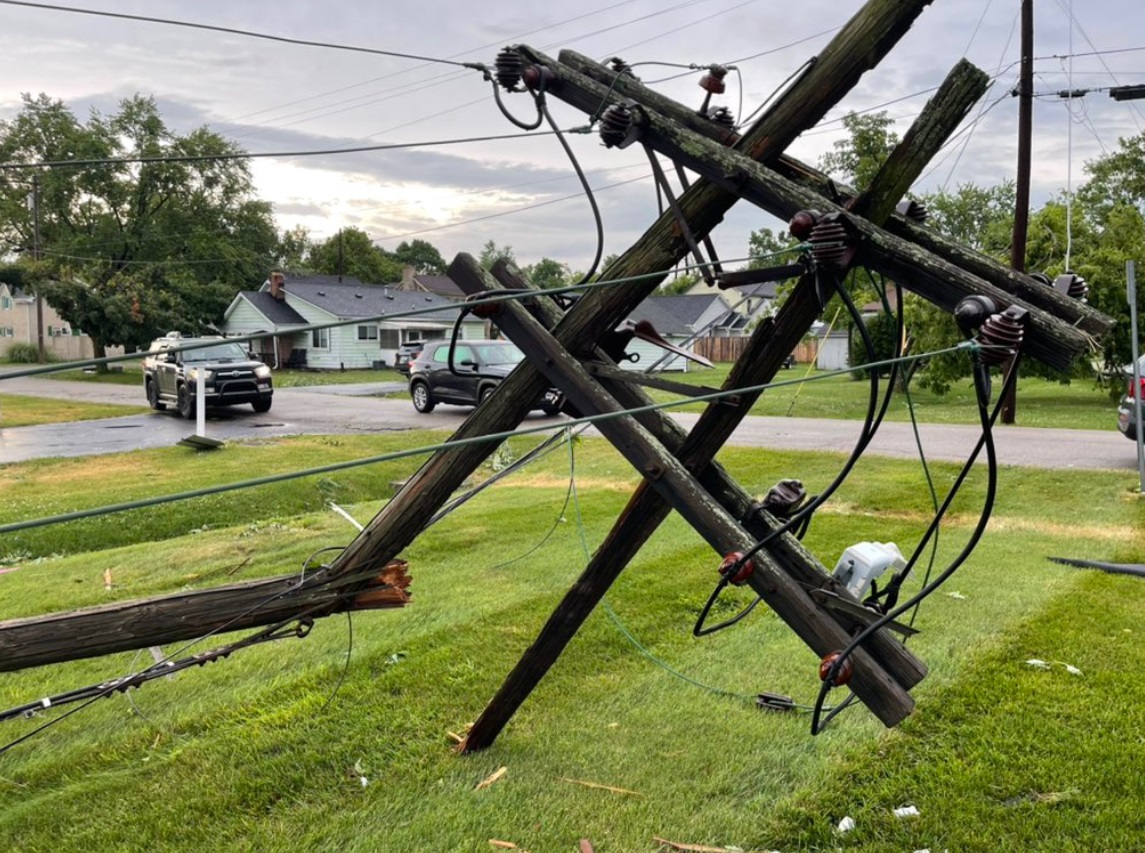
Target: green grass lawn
[
  {"x": 814, "y": 394},
  {"x": 17, "y": 410},
  {"x": 254, "y": 754}
]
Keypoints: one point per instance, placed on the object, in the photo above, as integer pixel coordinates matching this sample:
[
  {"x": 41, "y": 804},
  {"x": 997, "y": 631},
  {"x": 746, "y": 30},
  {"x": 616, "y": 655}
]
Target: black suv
[
  {"x": 478, "y": 368},
  {"x": 406, "y": 353},
  {"x": 231, "y": 375}
]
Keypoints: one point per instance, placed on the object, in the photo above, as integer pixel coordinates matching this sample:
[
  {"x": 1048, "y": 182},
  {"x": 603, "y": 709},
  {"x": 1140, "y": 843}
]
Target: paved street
[{"x": 345, "y": 409}]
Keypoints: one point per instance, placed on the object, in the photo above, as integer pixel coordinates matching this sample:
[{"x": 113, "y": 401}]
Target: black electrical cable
[
  {"x": 587, "y": 277},
  {"x": 871, "y": 424},
  {"x": 987, "y": 419}
]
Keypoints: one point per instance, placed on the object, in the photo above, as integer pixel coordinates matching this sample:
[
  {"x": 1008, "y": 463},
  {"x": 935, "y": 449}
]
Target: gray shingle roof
[
  {"x": 275, "y": 310},
  {"x": 350, "y": 298},
  {"x": 674, "y": 315}
]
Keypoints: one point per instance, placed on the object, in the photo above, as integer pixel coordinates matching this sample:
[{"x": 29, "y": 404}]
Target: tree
[
  {"x": 352, "y": 252},
  {"x": 422, "y": 255},
  {"x": 869, "y": 142},
  {"x": 1117, "y": 178},
  {"x": 134, "y": 249},
  {"x": 491, "y": 253},
  {"x": 547, "y": 273},
  {"x": 293, "y": 247}
]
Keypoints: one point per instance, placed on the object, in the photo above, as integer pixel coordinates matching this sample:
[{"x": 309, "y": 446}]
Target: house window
[
  {"x": 389, "y": 338},
  {"x": 320, "y": 338},
  {"x": 368, "y": 333},
  {"x": 5, "y": 302}
]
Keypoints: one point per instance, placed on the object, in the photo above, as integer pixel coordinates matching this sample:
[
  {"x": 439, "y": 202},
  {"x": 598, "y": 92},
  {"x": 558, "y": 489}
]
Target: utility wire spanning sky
[{"x": 284, "y": 96}]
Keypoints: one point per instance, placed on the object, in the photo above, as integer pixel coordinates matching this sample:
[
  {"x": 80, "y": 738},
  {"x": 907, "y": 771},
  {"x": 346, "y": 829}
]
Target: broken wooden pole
[
  {"x": 1047, "y": 338},
  {"x": 130, "y": 625},
  {"x": 762, "y": 359},
  {"x": 871, "y": 683},
  {"x": 603, "y": 81},
  {"x": 962, "y": 88}
]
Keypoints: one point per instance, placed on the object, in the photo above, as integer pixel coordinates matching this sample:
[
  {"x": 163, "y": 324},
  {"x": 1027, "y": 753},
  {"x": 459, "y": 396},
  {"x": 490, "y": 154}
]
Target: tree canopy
[{"x": 132, "y": 250}]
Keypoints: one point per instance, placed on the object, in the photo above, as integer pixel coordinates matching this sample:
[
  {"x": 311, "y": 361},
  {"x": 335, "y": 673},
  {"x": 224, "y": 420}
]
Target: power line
[
  {"x": 48, "y": 7},
  {"x": 199, "y": 158}
]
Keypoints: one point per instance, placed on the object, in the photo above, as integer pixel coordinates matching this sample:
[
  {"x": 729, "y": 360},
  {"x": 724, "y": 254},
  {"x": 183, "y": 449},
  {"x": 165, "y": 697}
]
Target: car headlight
[{"x": 262, "y": 372}]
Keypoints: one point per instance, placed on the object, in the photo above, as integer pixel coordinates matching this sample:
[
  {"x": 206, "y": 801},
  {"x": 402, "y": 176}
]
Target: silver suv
[{"x": 231, "y": 376}]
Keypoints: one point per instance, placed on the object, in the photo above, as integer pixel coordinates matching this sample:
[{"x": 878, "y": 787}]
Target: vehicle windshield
[
  {"x": 216, "y": 352},
  {"x": 499, "y": 354}
]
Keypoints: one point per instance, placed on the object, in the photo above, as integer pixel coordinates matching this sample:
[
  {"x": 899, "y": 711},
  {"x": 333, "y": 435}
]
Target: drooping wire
[
  {"x": 49, "y": 7},
  {"x": 987, "y": 419},
  {"x": 871, "y": 423}
]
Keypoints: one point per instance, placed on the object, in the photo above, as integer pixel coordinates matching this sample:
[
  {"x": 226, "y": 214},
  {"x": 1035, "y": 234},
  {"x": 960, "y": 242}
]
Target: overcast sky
[{"x": 273, "y": 97}]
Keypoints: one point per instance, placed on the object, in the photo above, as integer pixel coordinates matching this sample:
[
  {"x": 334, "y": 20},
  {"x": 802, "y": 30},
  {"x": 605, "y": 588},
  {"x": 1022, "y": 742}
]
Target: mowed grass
[
  {"x": 817, "y": 394},
  {"x": 254, "y": 754},
  {"x": 17, "y": 410}
]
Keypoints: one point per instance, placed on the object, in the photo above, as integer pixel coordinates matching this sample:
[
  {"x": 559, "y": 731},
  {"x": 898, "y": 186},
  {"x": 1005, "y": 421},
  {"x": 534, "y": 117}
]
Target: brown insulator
[
  {"x": 1001, "y": 335},
  {"x": 615, "y": 123},
  {"x": 713, "y": 81},
  {"x": 538, "y": 77},
  {"x": 1072, "y": 285},
  {"x": 842, "y": 676},
  {"x": 507, "y": 68},
  {"x": 723, "y": 116},
  {"x": 831, "y": 244},
  {"x": 743, "y": 569},
  {"x": 802, "y": 223}
]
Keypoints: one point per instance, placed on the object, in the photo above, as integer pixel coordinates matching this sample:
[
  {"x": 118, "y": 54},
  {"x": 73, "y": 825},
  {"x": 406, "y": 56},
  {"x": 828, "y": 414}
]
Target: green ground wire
[{"x": 432, "y": 448}]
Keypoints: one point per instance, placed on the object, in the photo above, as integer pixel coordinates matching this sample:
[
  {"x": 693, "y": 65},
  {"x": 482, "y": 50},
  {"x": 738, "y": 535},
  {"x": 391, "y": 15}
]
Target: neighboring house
[
  {"x": 283, "y": 305},
  {"x": 439, "y": 285},
  {"x": 18, "y": 326},
  {"x": 751, "y": 300},
  {"x": 680, "y": 320}
]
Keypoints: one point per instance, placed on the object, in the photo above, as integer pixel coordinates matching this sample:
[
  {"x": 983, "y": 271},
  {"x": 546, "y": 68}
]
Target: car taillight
[{"x": 1129, "y": 391}]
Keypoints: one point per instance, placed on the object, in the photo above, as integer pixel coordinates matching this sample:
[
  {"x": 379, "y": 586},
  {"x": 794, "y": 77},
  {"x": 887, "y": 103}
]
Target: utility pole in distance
[
  {"x": 1022, "y": 184},
  {"x": 35, "y": 257}
]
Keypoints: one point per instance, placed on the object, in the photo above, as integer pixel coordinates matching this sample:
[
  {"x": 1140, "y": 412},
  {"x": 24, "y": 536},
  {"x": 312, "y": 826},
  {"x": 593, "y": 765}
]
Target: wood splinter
[{"x": 386, "y": 590}]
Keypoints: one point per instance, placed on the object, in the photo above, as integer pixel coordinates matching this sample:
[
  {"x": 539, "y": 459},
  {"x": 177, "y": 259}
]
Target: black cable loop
[
  {"x": 544, "y": 111},
  {"x": 533, "y": 125},
  {"x": 803, "y": 516},
  {"x": 981, "y": 379}
]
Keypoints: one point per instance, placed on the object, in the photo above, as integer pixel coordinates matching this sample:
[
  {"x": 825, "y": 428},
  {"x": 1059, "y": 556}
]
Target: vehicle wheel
[
  {"x": 153, "y": 398},
  {"x": 484, "y": 393},
  {"x": 261, "y": 406},
  {"x": 186, "y": 403},
  {"x": 422, "y": 401}
]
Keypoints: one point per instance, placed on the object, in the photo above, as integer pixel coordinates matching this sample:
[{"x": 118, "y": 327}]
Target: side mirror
[{"x": 467, "y": 362}]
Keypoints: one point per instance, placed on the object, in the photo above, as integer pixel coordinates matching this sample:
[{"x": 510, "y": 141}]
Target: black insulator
[
  {"x": 1001, "y": 335},
  {"x": 831, "y": 244},
  {"x": 972, "y": 312},
  {"x": 621, "y": 67},
  {"x": 914, "y": 210},
  {"x": 722, "y": 116},
  {"x": 615, "y": 122},
  {"x": 1072, "y": 285},
  {"x": 784, "y": 498},
  {"x": 508, "y": 67},
  {"x": 1042, "y": 277}
]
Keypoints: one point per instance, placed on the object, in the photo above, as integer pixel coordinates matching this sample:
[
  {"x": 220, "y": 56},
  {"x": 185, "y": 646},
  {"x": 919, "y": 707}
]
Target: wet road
[{"x": 345, "y": 409}]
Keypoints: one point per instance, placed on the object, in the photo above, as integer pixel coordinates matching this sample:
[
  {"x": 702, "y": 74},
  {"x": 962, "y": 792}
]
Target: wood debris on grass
[
  {"x": 505, "y": 845},
  {"x": 601, "y": 787},
  {"x": 586, "y": 846},
  {"x": 491, "y": 778},
  {"x": 107, "y": 579}
]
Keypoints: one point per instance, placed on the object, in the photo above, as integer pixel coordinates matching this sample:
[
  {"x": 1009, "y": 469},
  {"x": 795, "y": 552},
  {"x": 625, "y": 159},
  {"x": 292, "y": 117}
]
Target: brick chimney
[
  {"x": 278, "y": 285},
  {"x": 407, "y": 279}
]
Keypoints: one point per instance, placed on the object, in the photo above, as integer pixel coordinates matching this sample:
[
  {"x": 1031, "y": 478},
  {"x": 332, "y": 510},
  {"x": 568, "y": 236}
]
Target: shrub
[{"x": 23, "y": 353}]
